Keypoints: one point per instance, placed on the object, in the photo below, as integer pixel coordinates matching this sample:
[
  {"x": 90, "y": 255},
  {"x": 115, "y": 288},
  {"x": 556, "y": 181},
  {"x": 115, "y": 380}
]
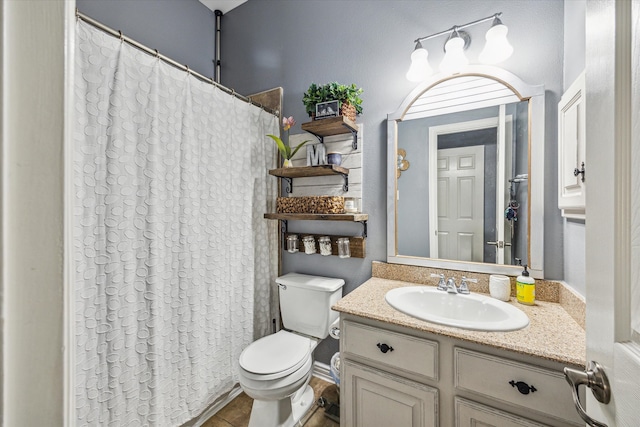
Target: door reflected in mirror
[{"x": 466, "y": 195}]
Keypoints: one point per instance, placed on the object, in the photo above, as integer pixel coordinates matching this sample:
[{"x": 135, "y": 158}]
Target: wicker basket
[
  {"x": 311, "y": 204},
  {"x": 349, "y": 111}
]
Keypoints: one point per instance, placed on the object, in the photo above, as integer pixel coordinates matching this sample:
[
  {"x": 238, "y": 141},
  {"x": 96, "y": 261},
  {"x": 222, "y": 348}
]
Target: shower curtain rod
[{"x": 154, "y": 52}]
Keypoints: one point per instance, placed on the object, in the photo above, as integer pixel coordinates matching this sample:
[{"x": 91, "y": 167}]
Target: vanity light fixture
[
  {"x": 496, "y": 49},
  {"x": 454, "y": 58}
]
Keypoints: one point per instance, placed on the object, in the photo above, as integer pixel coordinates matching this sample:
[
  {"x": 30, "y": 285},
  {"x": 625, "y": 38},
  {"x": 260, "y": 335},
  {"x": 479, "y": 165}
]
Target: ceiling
[{"x": 222, "y": 5}]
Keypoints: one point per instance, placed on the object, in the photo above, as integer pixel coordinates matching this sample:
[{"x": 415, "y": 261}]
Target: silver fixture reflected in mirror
[
  {"x": 477, "y": 144},
  {"x": 496, "y": 49}
]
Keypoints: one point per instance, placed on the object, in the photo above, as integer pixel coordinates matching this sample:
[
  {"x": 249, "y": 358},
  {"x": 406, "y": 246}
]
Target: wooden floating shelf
[
  {"x": 331, "y": 126},
  {"x": 307, "y": 171},
  {"x": 355, "y": 217},
  {"x": 357, "y": 245}
]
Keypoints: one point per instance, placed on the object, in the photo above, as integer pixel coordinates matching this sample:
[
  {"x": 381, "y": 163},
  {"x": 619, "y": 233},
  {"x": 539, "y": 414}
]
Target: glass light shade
[
  {"x": 497, "y": 48},
  {"x": 454, "y": 59},
  {"x": 420, "y": 68}
]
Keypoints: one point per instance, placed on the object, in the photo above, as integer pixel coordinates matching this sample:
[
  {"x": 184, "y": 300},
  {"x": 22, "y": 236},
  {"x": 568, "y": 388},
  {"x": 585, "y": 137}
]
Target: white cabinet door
[
  {"x": 374, "y": 398},
  {"x": 571, "y": 150},
  {"x": 472, "y": 414}
]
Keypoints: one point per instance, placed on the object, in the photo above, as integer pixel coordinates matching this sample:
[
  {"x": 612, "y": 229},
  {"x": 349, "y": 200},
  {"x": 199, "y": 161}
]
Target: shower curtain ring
[
  {"x": 157, "y": 53},
  {"x": 121, "y": 37},
  {"x": 188, "y": 70}
]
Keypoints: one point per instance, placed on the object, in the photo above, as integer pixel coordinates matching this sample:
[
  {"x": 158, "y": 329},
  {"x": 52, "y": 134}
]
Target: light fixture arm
[{"x": 458, "y": 27}]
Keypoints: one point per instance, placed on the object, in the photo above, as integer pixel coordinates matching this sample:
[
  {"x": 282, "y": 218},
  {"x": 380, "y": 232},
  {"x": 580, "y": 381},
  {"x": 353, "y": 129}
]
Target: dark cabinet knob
[{"x": 384, "y": 348}]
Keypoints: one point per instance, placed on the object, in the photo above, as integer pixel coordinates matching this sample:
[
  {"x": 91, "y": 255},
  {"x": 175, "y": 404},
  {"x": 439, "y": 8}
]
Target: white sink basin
[{"x": 475, "y": 312}]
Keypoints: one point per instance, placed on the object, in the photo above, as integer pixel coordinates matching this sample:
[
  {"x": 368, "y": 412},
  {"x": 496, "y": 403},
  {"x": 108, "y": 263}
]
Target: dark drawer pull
[
  {"x": 384, "y": 348},
  {"x": 523, "y": 387}
]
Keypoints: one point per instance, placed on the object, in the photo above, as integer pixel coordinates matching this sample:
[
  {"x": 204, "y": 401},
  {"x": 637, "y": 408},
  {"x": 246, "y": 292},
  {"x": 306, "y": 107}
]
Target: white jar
[
  {"x": 325, "y": 245},
  {"x": 309, "y": 243},
  {"x": 500, "y": 287}
]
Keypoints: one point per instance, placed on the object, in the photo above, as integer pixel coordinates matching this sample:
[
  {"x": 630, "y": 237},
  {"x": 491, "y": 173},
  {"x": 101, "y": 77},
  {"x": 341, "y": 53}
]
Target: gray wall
[
  {"x": 574, "y": 63},
  {"x": 183, "y": 30},
  {"x": 268, "y": 43}
]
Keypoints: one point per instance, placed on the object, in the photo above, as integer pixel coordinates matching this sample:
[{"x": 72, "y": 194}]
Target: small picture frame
[{"x": 327, "y": 109}]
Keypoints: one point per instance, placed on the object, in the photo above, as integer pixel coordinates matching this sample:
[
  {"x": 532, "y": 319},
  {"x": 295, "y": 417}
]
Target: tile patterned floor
[{"x": 236, "y": 413}]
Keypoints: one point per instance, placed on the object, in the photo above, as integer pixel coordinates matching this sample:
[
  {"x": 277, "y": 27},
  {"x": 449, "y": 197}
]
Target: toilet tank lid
[{"x": 297, "y": 280}]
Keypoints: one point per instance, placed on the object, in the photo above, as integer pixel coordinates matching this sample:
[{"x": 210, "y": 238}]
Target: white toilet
[{"x": 275, "y": 370}]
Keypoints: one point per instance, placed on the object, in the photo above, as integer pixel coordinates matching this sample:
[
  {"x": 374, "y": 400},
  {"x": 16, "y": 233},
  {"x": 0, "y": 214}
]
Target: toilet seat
[{"x": 275, "y": 356}]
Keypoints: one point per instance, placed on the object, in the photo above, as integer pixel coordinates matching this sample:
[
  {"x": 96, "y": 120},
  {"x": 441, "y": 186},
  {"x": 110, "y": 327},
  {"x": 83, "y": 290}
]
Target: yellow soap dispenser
[{"x": 526, "y": 288}]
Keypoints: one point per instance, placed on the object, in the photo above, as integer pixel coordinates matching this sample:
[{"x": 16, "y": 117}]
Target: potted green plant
[{"x": 347, "y": 95}]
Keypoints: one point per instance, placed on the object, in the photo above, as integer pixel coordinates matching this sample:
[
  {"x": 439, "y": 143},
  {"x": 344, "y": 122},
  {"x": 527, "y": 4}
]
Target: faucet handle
[
  {"x": 464, "y": 286},
  {"x": 441, "y": 285}
]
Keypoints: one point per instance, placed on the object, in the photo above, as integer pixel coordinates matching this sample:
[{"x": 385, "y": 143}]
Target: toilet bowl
[{"x": 275, "y": 372}]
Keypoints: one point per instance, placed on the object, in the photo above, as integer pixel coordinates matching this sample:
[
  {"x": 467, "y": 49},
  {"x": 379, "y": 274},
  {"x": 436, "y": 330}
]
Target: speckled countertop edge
[{"x": 552, "y": 333}]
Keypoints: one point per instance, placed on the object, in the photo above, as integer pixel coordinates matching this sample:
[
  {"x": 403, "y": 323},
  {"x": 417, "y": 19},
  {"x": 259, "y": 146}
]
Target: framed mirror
[{"x": 465, "y": 181}]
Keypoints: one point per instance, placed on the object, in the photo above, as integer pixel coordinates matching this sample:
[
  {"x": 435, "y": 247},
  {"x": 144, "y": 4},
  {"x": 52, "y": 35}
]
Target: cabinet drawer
[
  {"x": 470, "y": 413},
  {"x": 543, "y": 390},
  {"x": 414, "y": 356}
]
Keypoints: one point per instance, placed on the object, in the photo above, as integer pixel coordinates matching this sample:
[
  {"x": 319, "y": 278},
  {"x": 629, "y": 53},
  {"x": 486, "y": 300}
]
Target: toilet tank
[{"x": 305, "y": 303}]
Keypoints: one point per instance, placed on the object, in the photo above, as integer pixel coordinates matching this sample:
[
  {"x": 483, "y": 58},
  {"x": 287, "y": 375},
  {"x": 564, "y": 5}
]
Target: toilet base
[{"x": 282, "y": 413}]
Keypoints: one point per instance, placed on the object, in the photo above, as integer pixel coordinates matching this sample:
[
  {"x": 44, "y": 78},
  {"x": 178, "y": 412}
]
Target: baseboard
[
  {"x": 321, "y": 370},
  {"x": 216, "y": 406}
]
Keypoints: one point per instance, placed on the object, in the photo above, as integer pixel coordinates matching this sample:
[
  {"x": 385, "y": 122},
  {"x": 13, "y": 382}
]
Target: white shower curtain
[{"x": 174, "y": 261}]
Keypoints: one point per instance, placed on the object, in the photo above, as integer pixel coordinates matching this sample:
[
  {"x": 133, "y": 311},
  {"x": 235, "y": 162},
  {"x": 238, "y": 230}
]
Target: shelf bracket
[
  {"x": 345, "y": 187},
  {"x": 289, "y": 188},
  {"x": 284, "y": 226},
  {"x": 364, "y": 228},
  {"x": 354, "y": 133}
]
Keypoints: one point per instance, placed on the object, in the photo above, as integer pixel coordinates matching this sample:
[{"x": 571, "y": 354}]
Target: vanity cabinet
[
  {"x": 415, "y": 378},
  {"x": 571, "y": 151}
]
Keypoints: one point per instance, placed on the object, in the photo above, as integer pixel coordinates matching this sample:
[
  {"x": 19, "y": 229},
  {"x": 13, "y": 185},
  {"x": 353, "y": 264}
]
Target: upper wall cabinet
[{"x": 571, "y": 151}]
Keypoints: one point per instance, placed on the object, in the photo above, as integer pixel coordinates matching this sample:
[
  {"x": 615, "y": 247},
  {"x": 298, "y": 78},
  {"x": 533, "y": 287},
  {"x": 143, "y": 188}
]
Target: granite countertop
[{"x": 552, "y": 333}]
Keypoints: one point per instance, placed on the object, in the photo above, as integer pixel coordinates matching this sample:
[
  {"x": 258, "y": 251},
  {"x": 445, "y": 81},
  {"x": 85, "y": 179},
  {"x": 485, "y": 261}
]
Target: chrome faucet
[{"x": 451, "y": 286}]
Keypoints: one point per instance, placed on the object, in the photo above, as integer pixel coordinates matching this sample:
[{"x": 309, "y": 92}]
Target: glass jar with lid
[
  {"x": 325, "y": 245},
  {"x": 344, "y": 251},
  {"x": 309, "y": 243},
  {"x": 292, "y": 243}
]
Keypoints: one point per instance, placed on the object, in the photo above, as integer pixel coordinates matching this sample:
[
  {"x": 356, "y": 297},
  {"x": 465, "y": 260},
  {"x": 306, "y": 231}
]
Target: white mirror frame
[{"x": 523, "y": 91}]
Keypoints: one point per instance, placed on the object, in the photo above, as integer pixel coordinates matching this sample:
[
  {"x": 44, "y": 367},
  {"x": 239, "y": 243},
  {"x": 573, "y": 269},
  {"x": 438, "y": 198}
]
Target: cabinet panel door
[
  {"x": 374, "y": 398},
  {"x": 471, "y": 414},
  {"x": 571, "y": 150}
]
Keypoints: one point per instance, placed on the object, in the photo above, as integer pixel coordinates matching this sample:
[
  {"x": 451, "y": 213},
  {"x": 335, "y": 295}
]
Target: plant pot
[
  {"x": 287, "y": 163},
  {"x": 348, "y": 110}
]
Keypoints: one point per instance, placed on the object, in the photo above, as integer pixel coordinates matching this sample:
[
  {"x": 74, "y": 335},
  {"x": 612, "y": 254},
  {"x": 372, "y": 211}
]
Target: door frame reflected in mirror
[{"x": 512, "y": 90}]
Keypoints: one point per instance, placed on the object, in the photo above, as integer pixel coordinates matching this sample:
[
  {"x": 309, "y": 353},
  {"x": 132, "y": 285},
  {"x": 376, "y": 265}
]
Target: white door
[
  {"x": 613, "y": 197},
  {"x": 460, "y": 193}
]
